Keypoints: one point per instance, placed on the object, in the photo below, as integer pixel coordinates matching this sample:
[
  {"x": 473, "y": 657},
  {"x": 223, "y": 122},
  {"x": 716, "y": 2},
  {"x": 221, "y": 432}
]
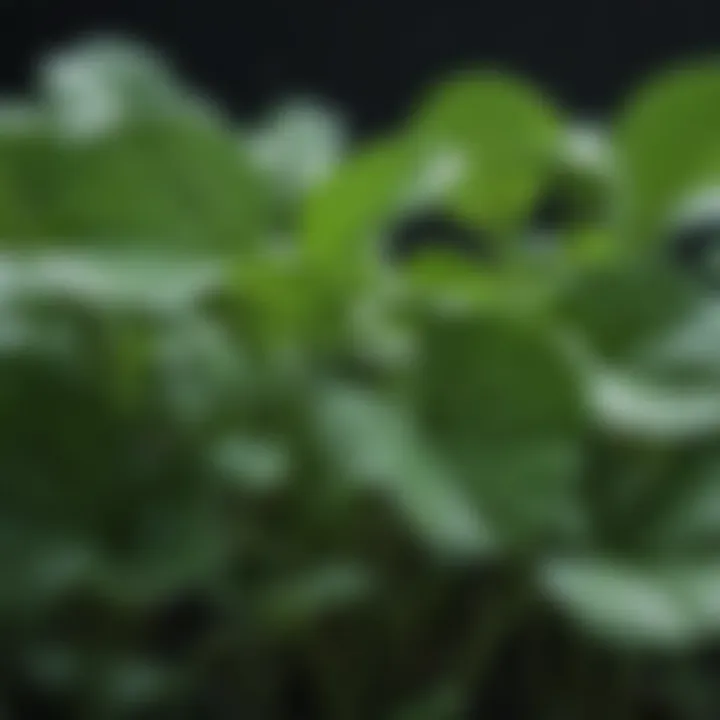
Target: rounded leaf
[
  {"x": 506, "y": 133},
  {"x": 668, "y": 142}
]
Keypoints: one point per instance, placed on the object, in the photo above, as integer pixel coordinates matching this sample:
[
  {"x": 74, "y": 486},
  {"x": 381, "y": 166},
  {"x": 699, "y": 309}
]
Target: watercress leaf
[
  {"x": 343, "y": 217},
  {"x": 374, "y": 445},
  {"x": 28, "y": 167},
  {"x": 625, "y": 405},
  {"x": 652, "y": 605},
  {"x": 504, "y": 405},
  {"x": 668, "y": 143},
  {"x": 140, "y": 157},
  {"x": 506, "y": 134},
  {"x": 620, "y": 308}
]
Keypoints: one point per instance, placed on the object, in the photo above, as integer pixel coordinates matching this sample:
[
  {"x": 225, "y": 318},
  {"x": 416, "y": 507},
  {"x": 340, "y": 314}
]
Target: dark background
[{"x": 372, "y": 57}]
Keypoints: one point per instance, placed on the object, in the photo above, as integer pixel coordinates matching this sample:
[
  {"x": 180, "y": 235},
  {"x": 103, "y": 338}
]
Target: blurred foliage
[{"x": 273, "y": 448}]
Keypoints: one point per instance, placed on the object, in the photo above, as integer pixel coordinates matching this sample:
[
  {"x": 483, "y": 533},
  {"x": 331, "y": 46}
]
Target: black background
[{"x": 373, "y": 57}]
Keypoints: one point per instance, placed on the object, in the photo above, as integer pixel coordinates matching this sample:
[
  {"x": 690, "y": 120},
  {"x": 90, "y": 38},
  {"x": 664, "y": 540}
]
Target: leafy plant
[{"x": 254, "y": 466}]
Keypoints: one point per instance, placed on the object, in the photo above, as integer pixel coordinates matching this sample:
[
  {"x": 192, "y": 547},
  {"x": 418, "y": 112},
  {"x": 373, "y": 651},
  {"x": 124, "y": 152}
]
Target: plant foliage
[{"x": 254, "y": 467}]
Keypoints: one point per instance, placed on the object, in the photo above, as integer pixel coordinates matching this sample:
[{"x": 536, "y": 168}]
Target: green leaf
[
  {"x": 504, "y": 405},
  {"x": 506, "y": 134},
  {"x": 689, "y": 351},
  {"x": 668, "y": 144},
  {"x": 373, "y": 444},
  {"x": 343, "y": 217},
  {"x": 620, "y": 308},
  {"x": 445, "y": 285},
  {"x": 107, "y": 280},
  {"x": 180, "y": 180},
  {"x": 668, "y": 605},
  {"x": 663, "y": 386},
  {"x": 207, "y": 172},
  {"x": 28, "y": 157},
  {"x": 140, "y": 158},
  {"x": 493, "y": 375},
  {"x": 626, "y": 405}
]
